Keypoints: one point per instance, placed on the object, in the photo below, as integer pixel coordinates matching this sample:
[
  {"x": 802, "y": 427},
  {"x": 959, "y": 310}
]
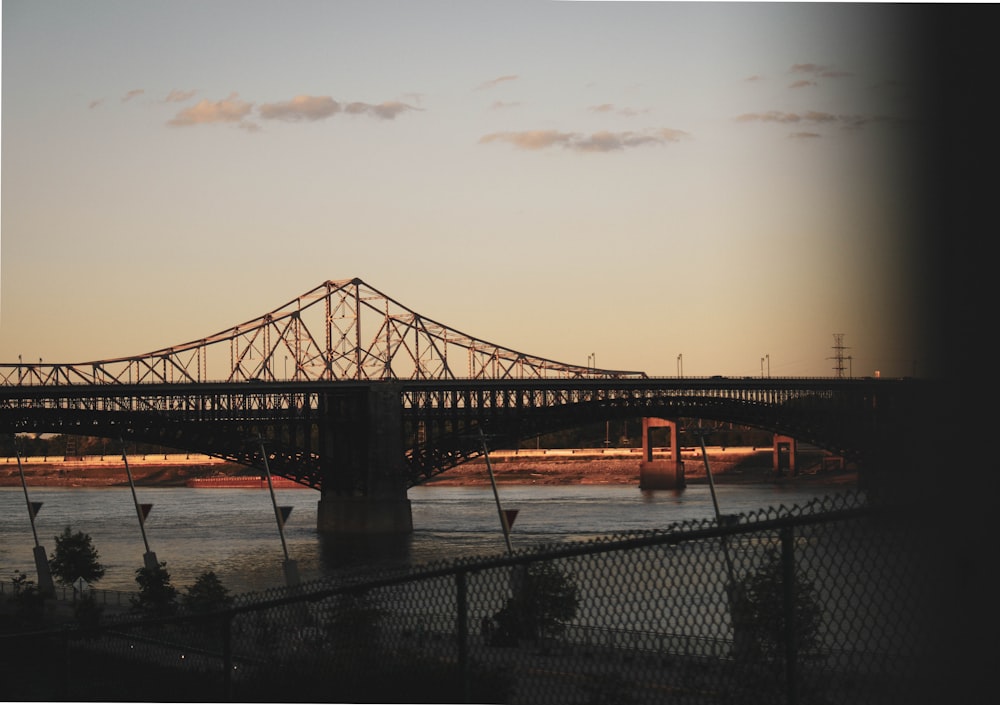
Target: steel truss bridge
[{"x": 354, "y": 394}]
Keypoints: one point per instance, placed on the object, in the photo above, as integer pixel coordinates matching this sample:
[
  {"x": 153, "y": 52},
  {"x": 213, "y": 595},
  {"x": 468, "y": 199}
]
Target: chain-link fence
[{"x": 818, "y": 603}]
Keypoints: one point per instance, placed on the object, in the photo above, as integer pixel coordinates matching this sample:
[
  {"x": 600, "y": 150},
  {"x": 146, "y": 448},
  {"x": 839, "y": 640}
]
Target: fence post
[
  {"x": 788, "y": 595},
  {"x": 463, "y": 633}
]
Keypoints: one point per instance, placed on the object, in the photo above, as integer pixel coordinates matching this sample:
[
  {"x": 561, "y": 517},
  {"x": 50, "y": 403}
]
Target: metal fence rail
[{"x": 814, "y": 604}]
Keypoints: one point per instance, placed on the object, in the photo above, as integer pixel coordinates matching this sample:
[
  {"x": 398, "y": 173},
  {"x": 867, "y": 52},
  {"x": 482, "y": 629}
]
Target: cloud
[
  {"x": 816, "y": 117},
  {"x": 807, "y": 68},
  {"x": 603, "y": 141},
  {"x": 819, "y": 70},
  {"x": 610, "y": 108},
  {"x": 771, "y": 116},
  {"x": 528, "y": 139},
  {"x": 301, "y": 107},
  {"x": 176, "y": 96},
  {"x": 386, "y": 111},
  {"x": 94, "y": 103},
  {"x": 804, "y": 83},
  {"x": 135, "y": 92},
  {"x": 227, "y": 110},
  {"x": 501, "y": 105},
  {"x": 307, "y": 108},
  {"x": 496, "y": 81}
]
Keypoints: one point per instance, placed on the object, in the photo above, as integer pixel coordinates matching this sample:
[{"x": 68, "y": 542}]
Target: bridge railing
[{"x": 816, "y": 603}]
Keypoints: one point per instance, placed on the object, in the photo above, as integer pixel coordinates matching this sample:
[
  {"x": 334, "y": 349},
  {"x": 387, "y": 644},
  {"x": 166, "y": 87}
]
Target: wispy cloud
[
  {"x": 386, "y": 111},
  {"x": 176, "y": 96},
  {"x": 496, "y": 81},
  {"x": 206, "y": 112},
  {"x": 816, "y": 117},
  {"x": 819, "y": 70},
  {"x": 301, "y": 107},
  {"x": 610, "y": 108},
  {"x": 603, "y": 141},
  {"x": 503, "y": 105},
  {"x": 134, "y": 93}
]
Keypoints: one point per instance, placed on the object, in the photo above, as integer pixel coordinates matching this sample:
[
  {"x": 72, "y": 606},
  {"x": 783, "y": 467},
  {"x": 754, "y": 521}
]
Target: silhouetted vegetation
[
  {"x": 759, "y": 605},
  {"x": 75, "y": 558},
  {"x": 545, "y": 598},
  {"x": 28, "y": 603},
  {"x": 156, "y": 597},
  {"x": 207, "y": 594}
]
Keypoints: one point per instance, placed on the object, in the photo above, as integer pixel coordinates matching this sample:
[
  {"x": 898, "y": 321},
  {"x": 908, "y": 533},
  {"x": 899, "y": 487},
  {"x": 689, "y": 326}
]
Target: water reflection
[{"x": 340, "y": 554}]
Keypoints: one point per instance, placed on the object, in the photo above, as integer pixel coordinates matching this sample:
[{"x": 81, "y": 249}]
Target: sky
[{"x": 655, "y": 186}]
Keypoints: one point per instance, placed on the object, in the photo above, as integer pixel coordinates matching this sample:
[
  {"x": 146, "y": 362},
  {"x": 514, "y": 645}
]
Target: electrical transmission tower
[{"x": 838, "y": 357}]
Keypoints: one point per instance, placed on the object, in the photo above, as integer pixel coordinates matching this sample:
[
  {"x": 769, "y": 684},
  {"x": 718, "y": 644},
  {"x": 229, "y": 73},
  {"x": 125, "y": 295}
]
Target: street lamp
[
  {"x": 680, "y": 364},
  {"x": 767, "y": 357}
]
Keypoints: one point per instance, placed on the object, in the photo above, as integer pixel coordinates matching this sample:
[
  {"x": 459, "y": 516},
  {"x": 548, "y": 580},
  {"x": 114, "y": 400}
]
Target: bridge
[{"x": 354, "y": 394}]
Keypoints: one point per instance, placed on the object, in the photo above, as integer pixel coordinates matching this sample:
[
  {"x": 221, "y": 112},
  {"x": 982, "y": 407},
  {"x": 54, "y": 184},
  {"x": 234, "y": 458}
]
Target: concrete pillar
[
  {"x": 364, "y": 515},
  {"x": 660, "y": 474},
  {"x": 375, "y": 501},
  {"x": 784, "y": 455}
]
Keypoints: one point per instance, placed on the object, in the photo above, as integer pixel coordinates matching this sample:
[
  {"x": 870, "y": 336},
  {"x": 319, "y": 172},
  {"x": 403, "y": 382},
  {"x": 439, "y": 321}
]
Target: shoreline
[{"x": 570, "y": 467}]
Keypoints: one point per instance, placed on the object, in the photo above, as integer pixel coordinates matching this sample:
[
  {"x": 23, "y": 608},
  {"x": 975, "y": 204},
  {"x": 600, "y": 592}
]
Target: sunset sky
[{"x": 631, "y": 181}]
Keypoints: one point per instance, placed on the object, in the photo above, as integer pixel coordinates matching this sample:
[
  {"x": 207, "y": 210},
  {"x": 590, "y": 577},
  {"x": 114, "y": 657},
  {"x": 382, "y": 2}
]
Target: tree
[
  {"x": 75, "y": 557},
  {"x": 28, "y": 601},
  {"x": 545, "y": 598},
  {"x": 207, "y": 594},
  {"x": 157, "y": 597},
  {"x": 761, "y": 615}
]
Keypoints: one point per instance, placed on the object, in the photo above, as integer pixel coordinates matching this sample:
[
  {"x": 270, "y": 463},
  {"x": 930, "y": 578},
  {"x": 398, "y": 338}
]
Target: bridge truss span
[
  {"x": 356, "y": 395},
  {"x": 340, "y": 330},
  {"x": 447, "y": 421}
]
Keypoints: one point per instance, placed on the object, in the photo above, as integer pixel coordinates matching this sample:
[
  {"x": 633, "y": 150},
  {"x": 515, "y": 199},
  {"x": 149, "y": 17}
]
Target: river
[{"x": 233, "y": 532}]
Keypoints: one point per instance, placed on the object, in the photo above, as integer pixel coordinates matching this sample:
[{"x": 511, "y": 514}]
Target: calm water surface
[{"x": 233, "y": 531}]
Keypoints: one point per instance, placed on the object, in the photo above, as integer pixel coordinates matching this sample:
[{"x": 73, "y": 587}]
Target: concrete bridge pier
[
  {"x": 382, "y": 506},
  {"x": 660, "y": 474},
  {"x": 784, "y": 455}
]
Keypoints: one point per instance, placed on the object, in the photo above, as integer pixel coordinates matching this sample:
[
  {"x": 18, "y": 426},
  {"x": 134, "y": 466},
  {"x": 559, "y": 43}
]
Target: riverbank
[
  {"x": 551, "y": 467},
  {"x": 597, "y": 467}
]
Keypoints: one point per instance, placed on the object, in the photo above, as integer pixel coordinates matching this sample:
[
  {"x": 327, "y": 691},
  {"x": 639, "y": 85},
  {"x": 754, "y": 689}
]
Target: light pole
[
  {"x": 141, "y": 511},
  {"x": 45, "y": 585},
  {"x": 767, "y": 357},
  {"x": 289, "y": 566},
  {"x": 680, "y": 364}
]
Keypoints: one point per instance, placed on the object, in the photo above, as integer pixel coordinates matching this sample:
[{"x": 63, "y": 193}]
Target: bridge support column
[
  {"x": 784, "y": 455},
  {"x": 660, "y": 474},
  {"x": 364, "y": 515},
  {"x": 379, "y": 504}
]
